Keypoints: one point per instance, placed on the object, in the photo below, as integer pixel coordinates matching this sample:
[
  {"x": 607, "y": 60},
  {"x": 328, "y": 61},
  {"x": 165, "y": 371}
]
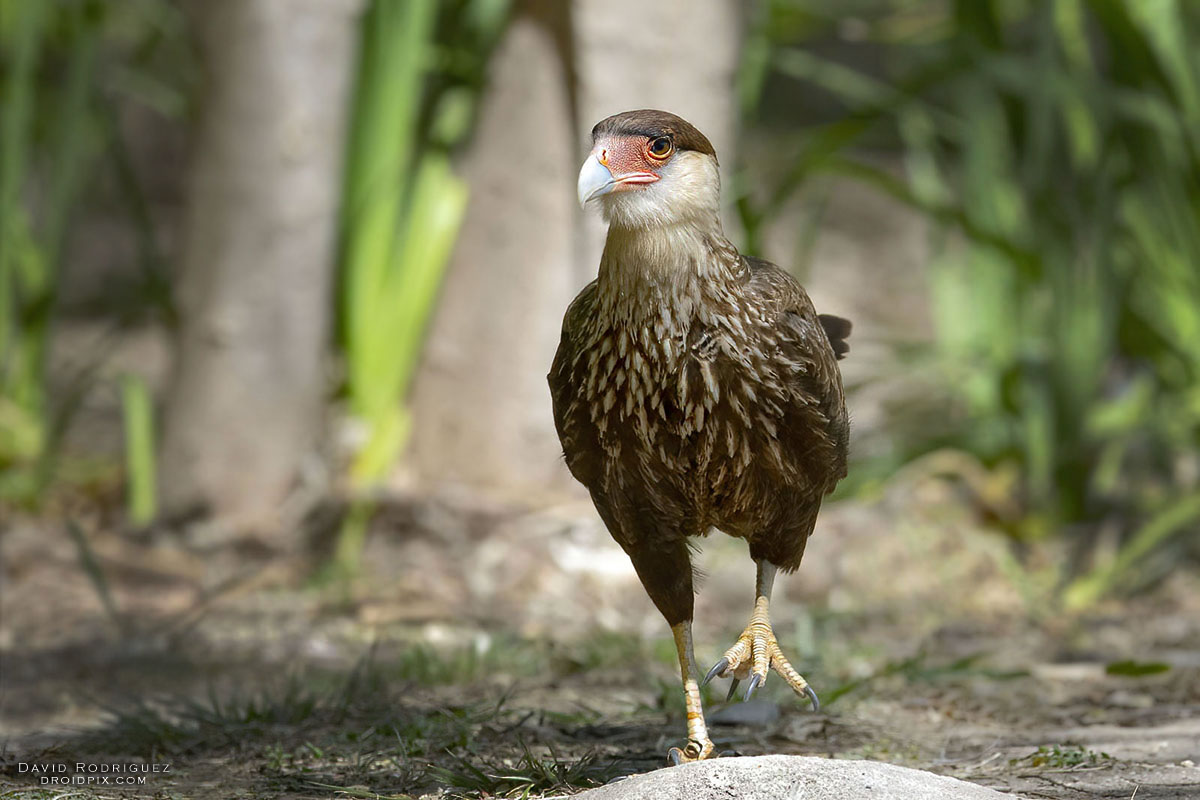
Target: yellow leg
[
  {"x": 756, "y": 651},
  {"x": 699, "y": 746}
]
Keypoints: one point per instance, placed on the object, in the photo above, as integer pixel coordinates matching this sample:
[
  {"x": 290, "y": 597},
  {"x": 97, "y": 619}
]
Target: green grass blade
[
  {"x": 138, "y": 411},
  {"x": 27, "y": 22}
]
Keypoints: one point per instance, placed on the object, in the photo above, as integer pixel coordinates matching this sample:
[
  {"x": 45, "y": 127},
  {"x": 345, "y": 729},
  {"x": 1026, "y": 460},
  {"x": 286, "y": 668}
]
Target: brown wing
[
  {"x": 816, "y": 428},
  {"x": 581, "y": 448}
]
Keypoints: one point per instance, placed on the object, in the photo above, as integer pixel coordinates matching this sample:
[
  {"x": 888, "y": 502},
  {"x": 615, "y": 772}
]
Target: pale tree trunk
[
  {"x": 481, "y": 404},
  {"x": 245, "y": 401}
]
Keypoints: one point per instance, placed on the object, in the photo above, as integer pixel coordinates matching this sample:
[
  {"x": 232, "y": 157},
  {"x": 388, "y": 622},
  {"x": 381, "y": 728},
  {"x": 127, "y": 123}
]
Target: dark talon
[
  {"x": 717, "y": 669},
  {"x": 755, "y": 682},
  {"x": 812, "y": 695},
  {"x": 676, "y": 756},
  {"x": 733, "y": 684}
]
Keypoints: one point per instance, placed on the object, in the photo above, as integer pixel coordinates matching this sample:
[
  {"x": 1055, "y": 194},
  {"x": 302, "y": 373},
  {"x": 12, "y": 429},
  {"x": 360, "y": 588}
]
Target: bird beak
[{"x": 595, "y": 179}]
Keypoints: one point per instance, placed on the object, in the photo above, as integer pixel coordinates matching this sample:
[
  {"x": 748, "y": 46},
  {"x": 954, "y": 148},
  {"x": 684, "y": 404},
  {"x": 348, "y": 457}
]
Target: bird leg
[
  {"x": 699, "y": 746},
  {"x": 756, "y": 650}
]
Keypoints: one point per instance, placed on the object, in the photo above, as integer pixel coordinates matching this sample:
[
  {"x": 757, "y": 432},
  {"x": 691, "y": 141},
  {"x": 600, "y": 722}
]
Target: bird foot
[
  {"x": 753, "y": 655},
  {"x": 694, "y": 751}
]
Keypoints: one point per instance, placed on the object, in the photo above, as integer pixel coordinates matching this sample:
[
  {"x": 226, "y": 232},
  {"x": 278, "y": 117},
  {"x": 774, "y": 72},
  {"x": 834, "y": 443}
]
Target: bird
[{"x": 695, "y": 389}]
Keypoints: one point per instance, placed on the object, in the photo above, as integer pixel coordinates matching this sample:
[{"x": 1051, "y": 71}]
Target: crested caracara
[{"x": 695, "y": 388}]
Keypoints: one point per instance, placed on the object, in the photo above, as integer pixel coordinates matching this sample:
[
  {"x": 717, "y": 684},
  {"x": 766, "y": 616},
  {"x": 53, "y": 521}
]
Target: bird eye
[{"x": 660, "y": 147}]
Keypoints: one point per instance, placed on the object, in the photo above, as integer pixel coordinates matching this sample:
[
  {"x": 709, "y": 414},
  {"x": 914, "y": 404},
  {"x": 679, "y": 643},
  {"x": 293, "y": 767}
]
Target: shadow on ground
[{"x": 505, "y": 654}]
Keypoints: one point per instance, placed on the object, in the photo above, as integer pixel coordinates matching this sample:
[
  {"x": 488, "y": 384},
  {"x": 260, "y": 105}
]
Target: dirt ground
[{"x": 492, "y": 650}]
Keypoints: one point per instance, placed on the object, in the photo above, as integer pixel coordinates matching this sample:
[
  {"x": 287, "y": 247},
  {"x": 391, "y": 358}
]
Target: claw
[
  {"x": 694, "y": 751},
  {"x": 755, "y": 682},
  {"x": 812, "y": 695},
  {"x": 733, "y": 684},
  {"x": 756, "y": 652},
  {"x": 717, "y": 669}
]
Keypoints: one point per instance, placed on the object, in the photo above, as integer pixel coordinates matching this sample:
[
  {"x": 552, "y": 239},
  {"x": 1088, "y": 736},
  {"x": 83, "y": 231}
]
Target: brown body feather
[{"x": 704, "y": 395}]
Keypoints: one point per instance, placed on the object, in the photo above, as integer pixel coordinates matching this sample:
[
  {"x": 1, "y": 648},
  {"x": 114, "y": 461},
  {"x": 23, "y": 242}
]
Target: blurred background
[{"x": 280, "y": 281}]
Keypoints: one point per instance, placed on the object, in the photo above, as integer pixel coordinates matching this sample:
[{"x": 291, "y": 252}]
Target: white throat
[{"x": 688, "y": 192}]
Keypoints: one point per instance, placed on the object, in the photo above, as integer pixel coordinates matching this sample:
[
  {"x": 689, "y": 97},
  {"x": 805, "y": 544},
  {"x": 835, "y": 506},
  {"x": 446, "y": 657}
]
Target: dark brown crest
[{"x": 651, "y": 123}]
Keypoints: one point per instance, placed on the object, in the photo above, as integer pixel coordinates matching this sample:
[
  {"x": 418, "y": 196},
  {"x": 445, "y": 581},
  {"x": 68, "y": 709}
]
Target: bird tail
[{"x": 838, "y": 330}]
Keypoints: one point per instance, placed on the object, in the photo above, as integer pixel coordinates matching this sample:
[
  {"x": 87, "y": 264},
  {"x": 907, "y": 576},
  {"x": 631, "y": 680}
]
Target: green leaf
[{"x": 1136, "y": 669}]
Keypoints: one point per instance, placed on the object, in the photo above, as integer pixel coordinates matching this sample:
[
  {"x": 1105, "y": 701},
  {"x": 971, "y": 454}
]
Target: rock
[{"x": 789, "y": 778}]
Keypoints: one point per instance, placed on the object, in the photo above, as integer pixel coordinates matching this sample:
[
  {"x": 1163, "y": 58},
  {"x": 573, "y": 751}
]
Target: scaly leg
[
  {"x": 756, "y": 650},
  {"x": 664, "y": 566},
  {"x": 699, "y": 746}
]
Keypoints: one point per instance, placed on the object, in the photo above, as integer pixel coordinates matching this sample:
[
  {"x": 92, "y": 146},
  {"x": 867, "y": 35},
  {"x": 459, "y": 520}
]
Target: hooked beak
[{"x": 596, "y": 179}]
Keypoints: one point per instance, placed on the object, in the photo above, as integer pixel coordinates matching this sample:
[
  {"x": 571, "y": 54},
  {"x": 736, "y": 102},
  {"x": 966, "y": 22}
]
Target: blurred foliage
[
  {"x": 58, "y": 132},
  {"x": 1056, "y": 148},
  {"x": 66, "y": 66},
  {"x": 420, "y": 70}
]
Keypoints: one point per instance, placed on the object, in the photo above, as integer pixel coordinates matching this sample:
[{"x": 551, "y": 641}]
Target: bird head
[{"x": 650, "y": 168}]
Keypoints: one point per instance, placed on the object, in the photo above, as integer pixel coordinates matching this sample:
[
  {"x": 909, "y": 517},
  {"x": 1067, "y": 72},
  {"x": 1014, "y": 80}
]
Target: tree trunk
[
  {"x": 481, "y": 406},
  {"x": 245, "y": 400}
]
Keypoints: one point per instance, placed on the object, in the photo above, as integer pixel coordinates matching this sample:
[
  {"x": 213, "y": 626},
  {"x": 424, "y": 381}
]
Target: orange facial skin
[{"x": 633, "y": 160}]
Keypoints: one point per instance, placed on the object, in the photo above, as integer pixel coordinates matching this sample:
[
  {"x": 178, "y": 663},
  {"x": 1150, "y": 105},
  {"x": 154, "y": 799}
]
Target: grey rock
[{"x": 789, "y": 778}]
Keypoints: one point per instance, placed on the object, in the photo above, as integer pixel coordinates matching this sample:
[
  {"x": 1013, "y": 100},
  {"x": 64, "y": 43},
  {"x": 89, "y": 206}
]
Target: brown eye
[{"x": 660, "y": 147}]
